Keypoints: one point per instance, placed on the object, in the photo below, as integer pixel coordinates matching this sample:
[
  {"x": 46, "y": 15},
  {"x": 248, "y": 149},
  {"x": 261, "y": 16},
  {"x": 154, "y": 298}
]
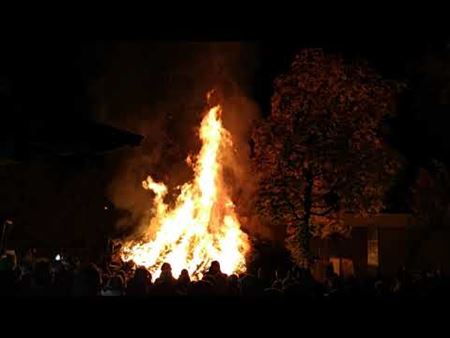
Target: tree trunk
[{"x": 305, "y": 229}]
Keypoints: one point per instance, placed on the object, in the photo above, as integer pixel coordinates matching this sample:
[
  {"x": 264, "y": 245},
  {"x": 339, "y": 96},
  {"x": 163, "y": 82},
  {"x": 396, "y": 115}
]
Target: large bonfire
[{"x": 202, "y": 225}]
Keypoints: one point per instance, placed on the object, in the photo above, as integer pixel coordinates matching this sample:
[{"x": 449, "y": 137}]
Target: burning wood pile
[{"x": 202, "y": 226}]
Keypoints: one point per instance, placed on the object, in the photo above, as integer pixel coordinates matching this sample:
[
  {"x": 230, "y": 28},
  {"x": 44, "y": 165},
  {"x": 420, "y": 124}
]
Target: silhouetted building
[{"x": 383, "y": 243}]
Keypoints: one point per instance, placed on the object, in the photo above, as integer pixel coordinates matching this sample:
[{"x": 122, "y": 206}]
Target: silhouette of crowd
[{"x": 69, "y": 277}]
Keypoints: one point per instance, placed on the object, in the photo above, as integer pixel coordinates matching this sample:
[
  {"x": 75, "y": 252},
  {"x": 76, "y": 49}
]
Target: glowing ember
[{"x": 202, "y": 226}]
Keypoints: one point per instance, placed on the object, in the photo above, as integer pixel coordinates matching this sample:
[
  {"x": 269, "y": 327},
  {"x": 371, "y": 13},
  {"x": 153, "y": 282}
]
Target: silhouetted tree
[{"x": 320, "y": 152}]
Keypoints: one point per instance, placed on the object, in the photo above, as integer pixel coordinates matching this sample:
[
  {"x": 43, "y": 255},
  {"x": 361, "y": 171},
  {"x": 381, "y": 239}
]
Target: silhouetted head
[
  {"x": 116, "y": 283},
  {"x": 215, "y": 267},
  {"x": 12, "y": 259},
  {"x": 166, "y": 268},
  {"x": 233, "y": 279},
  {"x": 184, "y": 274},
  {"x": 7, "y": 263},
  {"x": 142, "y": 275}
]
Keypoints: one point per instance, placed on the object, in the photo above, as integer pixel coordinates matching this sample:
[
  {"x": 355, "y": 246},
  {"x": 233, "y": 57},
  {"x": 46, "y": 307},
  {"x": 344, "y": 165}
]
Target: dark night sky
[{"x": 58, "y": 81}]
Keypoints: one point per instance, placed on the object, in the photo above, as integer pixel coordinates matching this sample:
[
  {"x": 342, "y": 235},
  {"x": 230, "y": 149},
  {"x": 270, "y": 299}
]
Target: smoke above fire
[{"x": 158, "y": 90}]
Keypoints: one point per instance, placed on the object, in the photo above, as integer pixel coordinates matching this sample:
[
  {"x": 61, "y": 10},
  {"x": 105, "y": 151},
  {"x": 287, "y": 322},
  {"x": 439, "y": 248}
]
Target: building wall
[
  {"x": 392, "y": 249},
  {"x": 353, "y": 247},
  {"x": 356, "y": 249},
  {"x": 391, "y": 237},
  {"x": 434, "y": 249}
]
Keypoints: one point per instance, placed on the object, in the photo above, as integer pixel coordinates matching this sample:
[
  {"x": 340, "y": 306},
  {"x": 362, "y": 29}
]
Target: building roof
[{"x": 63, "y": 138}]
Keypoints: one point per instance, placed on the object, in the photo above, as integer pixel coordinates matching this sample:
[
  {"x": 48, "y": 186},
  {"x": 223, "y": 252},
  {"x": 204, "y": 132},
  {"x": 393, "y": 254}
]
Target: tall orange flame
[{"x": 202, "y": 226}]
